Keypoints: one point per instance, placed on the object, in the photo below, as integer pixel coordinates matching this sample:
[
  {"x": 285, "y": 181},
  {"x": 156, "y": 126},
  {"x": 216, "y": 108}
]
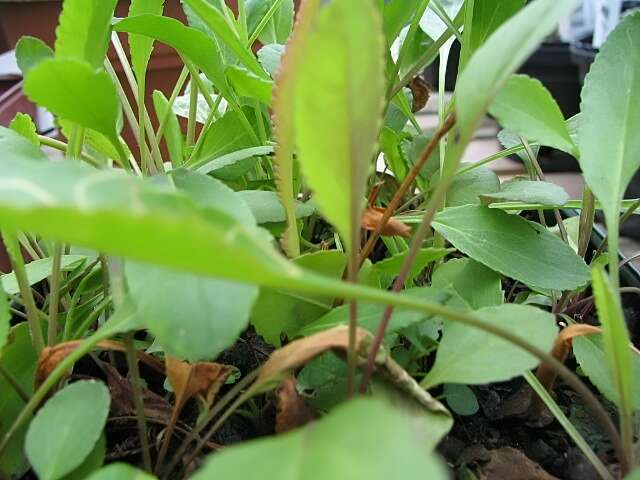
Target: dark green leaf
[
  {"x": 391, "y": 266},
  {"x": 528, "y": 191},
  {"x": 478, "y": 285},
  {"x": 461, "y": 398},
  {"x": 30, "y": 51}
]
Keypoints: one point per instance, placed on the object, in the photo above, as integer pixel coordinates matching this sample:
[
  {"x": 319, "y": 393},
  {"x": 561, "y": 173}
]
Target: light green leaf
[
  {"x": 172, "y": 132},
  {"x": 460, "y": 398},
  {"x": 395, "y": 16},
  {"x": 120, "y": 471},
  {"x": 38, "y": 270},
  {"x": 191, "y": 43},
  {"x": 525, "y": 106},
  {"x": 5, "y": 319},
  {"x": 83, "y": 30},
  {"x": 23, "y": 124},
  {"x": 214, "y": 19},
  {"x": 471, "y": 356},
  {"x": 528, "y": 191},
  {"x": 391, "y": 266},
  {"x": 140, "y": 46},
  {"x": 339, "y": 90},
  {"x": 318, "y": 451},
  {"x": 478, "y": 285},
  {"x": 610, "y": 120},
  {"x": 66, "y": 428},
  {"x": 193, "y": 318},
  {"x": 218, "y": 166},
  {"x": 493, "y": 63},
  {"x": 467, "y": 187},
  {"x": 30, "y": 51},
  {"x": 269, "y": 57},
  {"x": 616, "y": 341},
  {"x": 19, "y": 359},
  {"x": 93, "y": 462},
  {"x": 75, "y": 91},
  {"x": 513, "y": 246},
  {"x": 590, "y": 354},
  {"x": 250, "y": 85},
  {"x": 267, "y": 208}
]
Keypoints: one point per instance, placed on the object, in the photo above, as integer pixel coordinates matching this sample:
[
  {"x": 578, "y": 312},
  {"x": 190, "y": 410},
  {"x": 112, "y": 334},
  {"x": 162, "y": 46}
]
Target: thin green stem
[
  {"x": 164, "y": 121},
  {"x": 263, "y": 22},
  {"x": 19, "y": 270},
  {"x": 54, "y": 296},
  {"x": 61, "y": 146},
  {"x": 193, "y": 111},
  {"x": 587, "y": 215}
]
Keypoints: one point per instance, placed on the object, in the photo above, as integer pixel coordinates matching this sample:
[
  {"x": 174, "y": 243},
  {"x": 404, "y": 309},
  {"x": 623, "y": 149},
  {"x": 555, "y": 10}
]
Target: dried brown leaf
[
  {"x": 189, "y": 380},
  {"x": 372, "y": 217},
  {"x": 292, "y": 410},
  {"x": 421, "y": 91}
]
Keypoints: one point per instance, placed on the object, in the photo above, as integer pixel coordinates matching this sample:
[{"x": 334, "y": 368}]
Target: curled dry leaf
[
  {"x": 421, "y": 91},
  {"x": 191, "y": 379},
  {"x": 51, "y": 357},
  {"x": 373, "y": 216},
  {"x": 292, "y": 410}
]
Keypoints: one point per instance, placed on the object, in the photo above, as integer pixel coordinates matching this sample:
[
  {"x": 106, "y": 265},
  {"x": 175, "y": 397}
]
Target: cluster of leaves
[{"x": 256, "y": 213}]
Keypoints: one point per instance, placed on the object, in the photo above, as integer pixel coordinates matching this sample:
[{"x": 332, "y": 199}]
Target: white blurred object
[
  {"x": 579, "y": 24},
  {"x": 607, "y": 16},
  {"x": 595, "y": 18}
]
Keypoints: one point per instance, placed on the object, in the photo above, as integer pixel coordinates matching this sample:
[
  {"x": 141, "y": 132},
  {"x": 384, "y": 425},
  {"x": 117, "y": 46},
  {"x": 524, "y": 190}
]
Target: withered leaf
[
  {"x": 421, "y": 91},
  {"x": 202, "y": 378},
  {"x": 372, "y": 217},
  {"x": 292, "y": 410}
]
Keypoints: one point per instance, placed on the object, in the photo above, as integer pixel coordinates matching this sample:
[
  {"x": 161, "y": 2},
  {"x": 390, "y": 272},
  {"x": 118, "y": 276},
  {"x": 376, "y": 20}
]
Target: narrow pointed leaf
[
  {"x": 340, "y": 91},
  {"x": 141, "y": 46},
  {"x": 172, "y": 133}
]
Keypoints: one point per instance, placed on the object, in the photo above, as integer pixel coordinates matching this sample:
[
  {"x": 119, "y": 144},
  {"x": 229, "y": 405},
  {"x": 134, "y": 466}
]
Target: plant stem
[
  {"x": 61, "y": 146},
  {"x": 587, "y": 215},
  {"x": 193, "y": 112},
  {"x": 263, "y": 22},
  {"x": 54, "y": 295},
  {"x": 33, "y": 318},
  {"x": 184, "y": 74}
]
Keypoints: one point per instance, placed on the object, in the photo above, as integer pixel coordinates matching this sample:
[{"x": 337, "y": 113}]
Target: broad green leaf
[
  {"x": 5, "y": 319},
  {"x": 19, "y": 359},
  {"x": 83, "y": 30},
  {"x": 120, "y": 471},
  {"x": 471, "y": 356},
  {"x": 391, "y": 266},
  {"x": 38, "y": 270},
  {"x": 284, "y": 119},
  {"x": 339, "y": 90},
  {"x": 369, "y": 315},
  {"x": 267, "y": 208},
  {"x": 513, "y": 246},
  {"x": 395, "y": 15},
  {"x": 75, "y": 91},
  {"x": 110, "y": 208},
  {"x": 66, "y": 428},
  {"x": 215, "y": 20},
  {"x": 193, "y": 318},
  {"x": 191, "y": 43},
  {"x": 172, "y": 132},
  {"x": 590, "y": 354},
  {"x": 319, "y": 450},
  {"x": 140, "y": 46},
  {"x": 528, "y": 191},
  {"x": 487, "y": 17},
  {"x": 250, "y": 85},
  {"x": 224, "y": 164},
  {"x": 324, "y": 381},
  {"x": 493, "y": 63},
  {"x": 478, "y": 285},
  {"x": 269, "y": 57},
  {"x": 610, "y": 119},
  {"x": 93, "y": 462},
  {"x": 23, "y": 124},
  {"x": 460, "y": 398},
  {"x": 30, "y": 51},
  {"x": 526, "y": 107},
  {"x": 616, "y": 340},
  {"x": 467, "y": 187}
]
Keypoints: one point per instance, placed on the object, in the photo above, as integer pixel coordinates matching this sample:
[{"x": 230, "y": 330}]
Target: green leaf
[
  {"x": 5, "y": 319},
  {"x": 19, "y": 359},
  {"x": 318, "y": 451},
  {"x": 468, "y": 186},
  {"x": 369, "y": 315},
  {"x": 493, "y": 63},
  {"x": 191, "y": 43},
  {"x": 224, "y": 165},
  {"x": 193, "y": 318},
  {"x": 471, "y": 356},
  {"x": 525, "y": 106},
  {"x": 391, "y": 266},
  {"x": 93, "y": 462},
  {"x": 278, "y": 28},
  {"x": 460, "y": 398},
  {"x": 340, "y": 91},
  {"x": 83, "y": 30},
  {"x": 172, "y": 132},
  {"x": 616, "y": 340},
  {"x": 513, "y": 246},
  {"x": 23, "y": 124},
  {"x": 38, "y": 270},
  {"x": 528, "y": 191},
  {"x": 140, "y": 46},
  {"x": 215, "y": 20},
  {"x": 269, "y": 57},
  {"x": 478, "y": 285},
  {"x": 75, "y": 91},
  {"x": 589, "y": 351},
  {"x": 120, "y": 471},
  {"x": 66, "y": 428},
  {"x": 250, "y": 85},
  {"x": 30, "y": 51},
  {"x": 267, "y": 208},
  {"x": 395, "y": 16},
  {"x": 610, "y": 119}
]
